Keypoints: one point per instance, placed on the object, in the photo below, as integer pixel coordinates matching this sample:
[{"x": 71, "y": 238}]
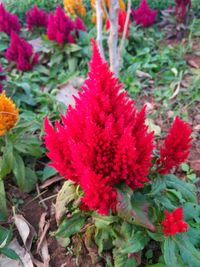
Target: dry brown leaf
[
  {"x": 193, "y": 64},
  {"x": 51, "y": 181},
  {"x": 42, "y": 246},
  {"x": 65, "y": 196},
  {"x": 25, "y": 257},
  {"x": 25, "y": 229}
]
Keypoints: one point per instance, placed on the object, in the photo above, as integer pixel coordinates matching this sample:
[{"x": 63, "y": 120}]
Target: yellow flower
[
  {"x": 9, "y": 114},
  {"x": 74, "y": 7},
  {"x": 105, "y": 4}
]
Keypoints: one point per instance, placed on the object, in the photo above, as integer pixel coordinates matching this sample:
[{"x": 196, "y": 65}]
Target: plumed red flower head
[
  {"x": 121, "y": 22},
  {"x": 174, "y": 222},
  {"x": 21, "y": 52},
  {"x": 144, "y": 15},
  {"x": 2, "y": 78},
  {"x": 176, "y": 147},
  {"x": 79, "y": 24},
  {"x": 182, "y": 6},
  {"x": 103, "y": 141},
  {"x": 36, "y": 17},
  {"x": 60, "y": 27},
  {"x": 8, "y": 21}
]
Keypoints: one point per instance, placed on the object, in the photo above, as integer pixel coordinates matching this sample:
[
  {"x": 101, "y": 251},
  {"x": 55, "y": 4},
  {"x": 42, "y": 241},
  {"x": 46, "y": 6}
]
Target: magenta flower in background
[
  {"x": 21, "y": 52},
  {"x": 8, "y": 21},
  {"x": 79, "y": 24},
  {"x": 144, "y": 15},
  {"x": 182, "y": 6},
  {"x": 121, "y": 23},
  {"x": 36, "y": 17},
  {"x": 60, "y": 27}
]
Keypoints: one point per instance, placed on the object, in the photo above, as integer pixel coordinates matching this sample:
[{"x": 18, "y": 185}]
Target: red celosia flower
[
  {"x": 121, "y": 22},
  {"x": 176, "y": 146},
  {"x": 174, "y": 222},
  {"x": 8, "y": 21},
  {"x": 60, "y": 27},
  {"x": 79, "y": 24},
  {"x": 144, "y": 15},
  {"x": 103, "y": 141},
  {"x": 36, "y": 17},
  {"x": 21, "y": 52},
  {"x": 182, "y": 6},
  {"x": 2, "y": 78}
]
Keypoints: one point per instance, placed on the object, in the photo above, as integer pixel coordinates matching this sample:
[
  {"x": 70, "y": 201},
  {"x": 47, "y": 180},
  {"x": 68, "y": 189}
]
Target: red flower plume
[
  {"x": 102, "y": 141},
  {"x": 8, "y": 21},
  {"x": 174, "y": 222},
  {"x": 36, "y": 17},
  {"x": 21, "y": 52},
  {"x": 121, "y": 22},
  {"x": 176, "y": 146},
  {"x": 60, "y": 27},
  {"x": 144, "y": 15}
]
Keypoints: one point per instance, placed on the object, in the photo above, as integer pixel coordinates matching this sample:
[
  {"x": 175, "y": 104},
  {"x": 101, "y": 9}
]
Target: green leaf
[
  {"x": 31, "y": 180},
  {"x": 19, "y": 171},
  {"x": 170, "y": 249},
  {"x": 3, "y": 206},
  {"x": 103, "y": 239},
  {"x": 9, "y": 253},
  {"x": 187, "y": 190},
  {"x": 157, "y": 265},
  {"x": 192, "y": 177},
  {"x": 135, "y": 244},
  {"x": 71, "y": 226},
  {"x": 189, "y": 253},
  {"x": 5, "y": 236},
  {"x": 48, "y": 172},
  {"x": 156, "y": 236},
  {"x": 122, "y": 260},
  {"x": 185, "y": 167},
  {"x": 6, "y": 163},
  {"x": 157, "y": 186},
  {"x": 135, "y": 212},
  {"x": 102, "y": 222}
]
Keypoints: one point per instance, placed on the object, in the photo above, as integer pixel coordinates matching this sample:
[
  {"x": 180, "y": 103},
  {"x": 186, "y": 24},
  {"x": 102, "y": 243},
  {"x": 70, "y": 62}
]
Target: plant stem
[
  {"x": 3, "y": 206},
  {"x": 113, "y": 38}
]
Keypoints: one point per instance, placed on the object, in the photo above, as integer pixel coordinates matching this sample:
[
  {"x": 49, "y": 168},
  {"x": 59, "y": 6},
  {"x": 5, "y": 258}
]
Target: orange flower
[
  {"x": 105, "y": 4},
  {"x": 74, "y": 7},
  {"x": 9, "y": 114}
]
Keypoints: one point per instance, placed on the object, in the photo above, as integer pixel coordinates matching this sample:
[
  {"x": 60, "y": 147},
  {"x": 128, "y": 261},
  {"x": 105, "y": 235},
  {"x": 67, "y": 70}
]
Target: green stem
[{"x": 3, "y": 206}]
